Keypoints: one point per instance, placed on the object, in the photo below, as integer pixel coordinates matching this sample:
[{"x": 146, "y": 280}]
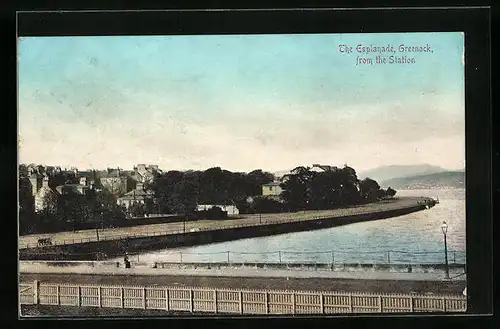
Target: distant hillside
[
  {"x": 384, "y": 173},
  {"x": 449, "y": 179}
]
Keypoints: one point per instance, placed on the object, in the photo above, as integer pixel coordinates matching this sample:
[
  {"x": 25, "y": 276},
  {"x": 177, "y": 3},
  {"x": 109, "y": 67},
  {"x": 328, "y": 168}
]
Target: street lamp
[{"x": 444, "y": 228}]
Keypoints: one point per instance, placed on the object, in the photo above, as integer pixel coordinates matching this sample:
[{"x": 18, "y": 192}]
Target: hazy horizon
[
  {"x": 239, "y": 102},
  {"x": 223, "y": 168}
]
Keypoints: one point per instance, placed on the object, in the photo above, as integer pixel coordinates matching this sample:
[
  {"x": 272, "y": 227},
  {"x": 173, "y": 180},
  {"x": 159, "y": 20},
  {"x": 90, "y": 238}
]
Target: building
[
  {"x": 139, "y": 195},
  {"x": 45, "y": 197},
  {"x": 231, "y": 209},
  {"x": 145, "y": 173},
  {"x": 321, "y": 168},
  {"x": 115, "y": 181},
  {"x": 271, "y": 189}
]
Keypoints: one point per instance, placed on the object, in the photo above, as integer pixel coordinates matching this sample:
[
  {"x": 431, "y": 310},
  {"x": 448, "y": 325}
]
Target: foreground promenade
[
  {"x": 245, "y": 295},
  {"x": 369, "y": 281}
]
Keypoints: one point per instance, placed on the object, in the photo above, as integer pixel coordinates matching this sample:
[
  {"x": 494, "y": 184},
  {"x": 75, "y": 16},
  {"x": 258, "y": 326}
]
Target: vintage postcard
[{"x": 242, "y": 174}]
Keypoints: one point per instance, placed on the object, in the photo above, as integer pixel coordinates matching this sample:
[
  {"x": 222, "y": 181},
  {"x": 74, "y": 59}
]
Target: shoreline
[{"x": 204, "y": 232}]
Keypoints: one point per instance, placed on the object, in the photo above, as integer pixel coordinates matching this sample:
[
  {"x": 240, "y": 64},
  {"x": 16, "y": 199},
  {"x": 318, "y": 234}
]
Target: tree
[
  {"x": 137, "y": 209},
  {"x": 77, "y": 210},
  {"x": 255, "y": 180},
  {"x": 163, "y": 188},
  {"x": 390, "y": 192},
  {"x": 297, "y": 188},
  {"x": 184, "y": 196},
  {"x": 27, "y": 218},
  {"x": 369, "y": 190}
]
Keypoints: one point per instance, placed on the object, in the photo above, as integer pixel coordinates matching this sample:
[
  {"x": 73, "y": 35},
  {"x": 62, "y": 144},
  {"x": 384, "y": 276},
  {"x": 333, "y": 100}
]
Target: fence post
[
  {"x": 266, "y": 299},
  {"x": 454, "y": 258},
  {"x": 180, "y": 253},
  {"x": 144, "y": 298},
  {"x": 79, "y": 296},
  {"x": 293, "y": 302},
  {"x": 99, "y": 298},
  {"x": 321, "y": 303},
  {"x": 122, "y": 297},
  {"x": 380, "y": 303},
  {"x": 444, "y": 304},
  {"x": 412, "y": 304},
  {"x": 350, "y": 302},
  {"x": 241, "y": 301},
  {"x": 191, "y": 300},
  {"x": 388, "y": 257},
  {"x": 228, "y": 256},
  {"x": 215, "y": 301},
  {"x": 167, "y": 299},
  {"x": 58, "y": 295},
  {"x": 279, "y": 254},
  {"x": 333, "y": 259}
]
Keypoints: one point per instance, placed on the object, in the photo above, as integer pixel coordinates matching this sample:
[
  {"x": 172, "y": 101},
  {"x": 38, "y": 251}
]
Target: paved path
[
  {"x": 312, "y": 283},
  {"x": 245, "y": 220},
  {"x": 28, "y": 267}
]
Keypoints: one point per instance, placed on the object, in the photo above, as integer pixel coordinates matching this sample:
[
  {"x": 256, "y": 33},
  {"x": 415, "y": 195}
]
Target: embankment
[{"x": 113, "y": 248}]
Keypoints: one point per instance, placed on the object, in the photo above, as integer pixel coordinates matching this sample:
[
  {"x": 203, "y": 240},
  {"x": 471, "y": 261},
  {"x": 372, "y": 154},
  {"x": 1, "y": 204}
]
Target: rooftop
[{"x": 272, "y": 184}]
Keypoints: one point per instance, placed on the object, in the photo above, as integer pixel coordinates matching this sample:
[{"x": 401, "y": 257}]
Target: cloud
[{"x": 362, "y": 135}]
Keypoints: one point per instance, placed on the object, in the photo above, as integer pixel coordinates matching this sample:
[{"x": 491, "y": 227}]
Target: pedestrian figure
[{"x": 126, "y": 261}]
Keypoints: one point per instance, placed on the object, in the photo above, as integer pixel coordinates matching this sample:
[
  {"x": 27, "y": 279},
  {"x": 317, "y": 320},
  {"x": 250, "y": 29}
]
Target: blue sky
[{"x": 239, "y": 101}]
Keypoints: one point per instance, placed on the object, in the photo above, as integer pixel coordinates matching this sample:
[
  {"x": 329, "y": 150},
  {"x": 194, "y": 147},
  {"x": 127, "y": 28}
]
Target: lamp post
[{"x": 444, "y": 228}]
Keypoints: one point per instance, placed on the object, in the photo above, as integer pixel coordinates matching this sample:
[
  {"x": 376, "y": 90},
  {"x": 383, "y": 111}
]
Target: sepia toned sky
[{"x": 240, "y": 102}]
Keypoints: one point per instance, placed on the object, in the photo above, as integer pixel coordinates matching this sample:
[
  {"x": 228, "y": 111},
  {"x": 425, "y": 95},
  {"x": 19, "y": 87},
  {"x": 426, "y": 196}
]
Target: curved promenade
[{"x": 144, "y": 237}]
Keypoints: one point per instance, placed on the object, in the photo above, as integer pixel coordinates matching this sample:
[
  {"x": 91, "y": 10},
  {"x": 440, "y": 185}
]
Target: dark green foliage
[
  {"x": 390, "y": 192},
  {"x": 180, "y": 192},
  {"x": 137, "y": 209},
  {"x": 369, "y": 190},
  {"x": 267, "y": 205},
  {"x": 334, "y": 188}
]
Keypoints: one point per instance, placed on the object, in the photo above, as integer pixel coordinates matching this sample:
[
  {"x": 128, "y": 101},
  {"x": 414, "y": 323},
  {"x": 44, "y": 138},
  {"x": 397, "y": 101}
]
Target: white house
[
  {"x": 271, "y": 189},
  {"x": 231, "y": 210}
]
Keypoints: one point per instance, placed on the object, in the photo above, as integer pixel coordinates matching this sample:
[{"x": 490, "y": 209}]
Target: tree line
[{"x": 329, "y": 189}]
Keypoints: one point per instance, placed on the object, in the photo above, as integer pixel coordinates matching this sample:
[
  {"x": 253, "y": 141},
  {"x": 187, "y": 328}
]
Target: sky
[{"x": 241, "y": 102}]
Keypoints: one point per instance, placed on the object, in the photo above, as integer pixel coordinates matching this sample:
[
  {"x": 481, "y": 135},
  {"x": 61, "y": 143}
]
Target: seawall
[
  {"x": 112, "y": 248},
  {"x": 103, "y": 267}
]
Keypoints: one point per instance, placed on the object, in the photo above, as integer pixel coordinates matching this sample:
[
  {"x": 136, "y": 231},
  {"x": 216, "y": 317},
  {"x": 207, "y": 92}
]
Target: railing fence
[
  {"x": 234, "y": 301},
  {"x": 313, "y": 257}
]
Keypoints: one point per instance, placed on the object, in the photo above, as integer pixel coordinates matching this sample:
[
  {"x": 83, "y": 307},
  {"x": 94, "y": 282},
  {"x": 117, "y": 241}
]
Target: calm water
[{"x": 415, "y": 238}]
